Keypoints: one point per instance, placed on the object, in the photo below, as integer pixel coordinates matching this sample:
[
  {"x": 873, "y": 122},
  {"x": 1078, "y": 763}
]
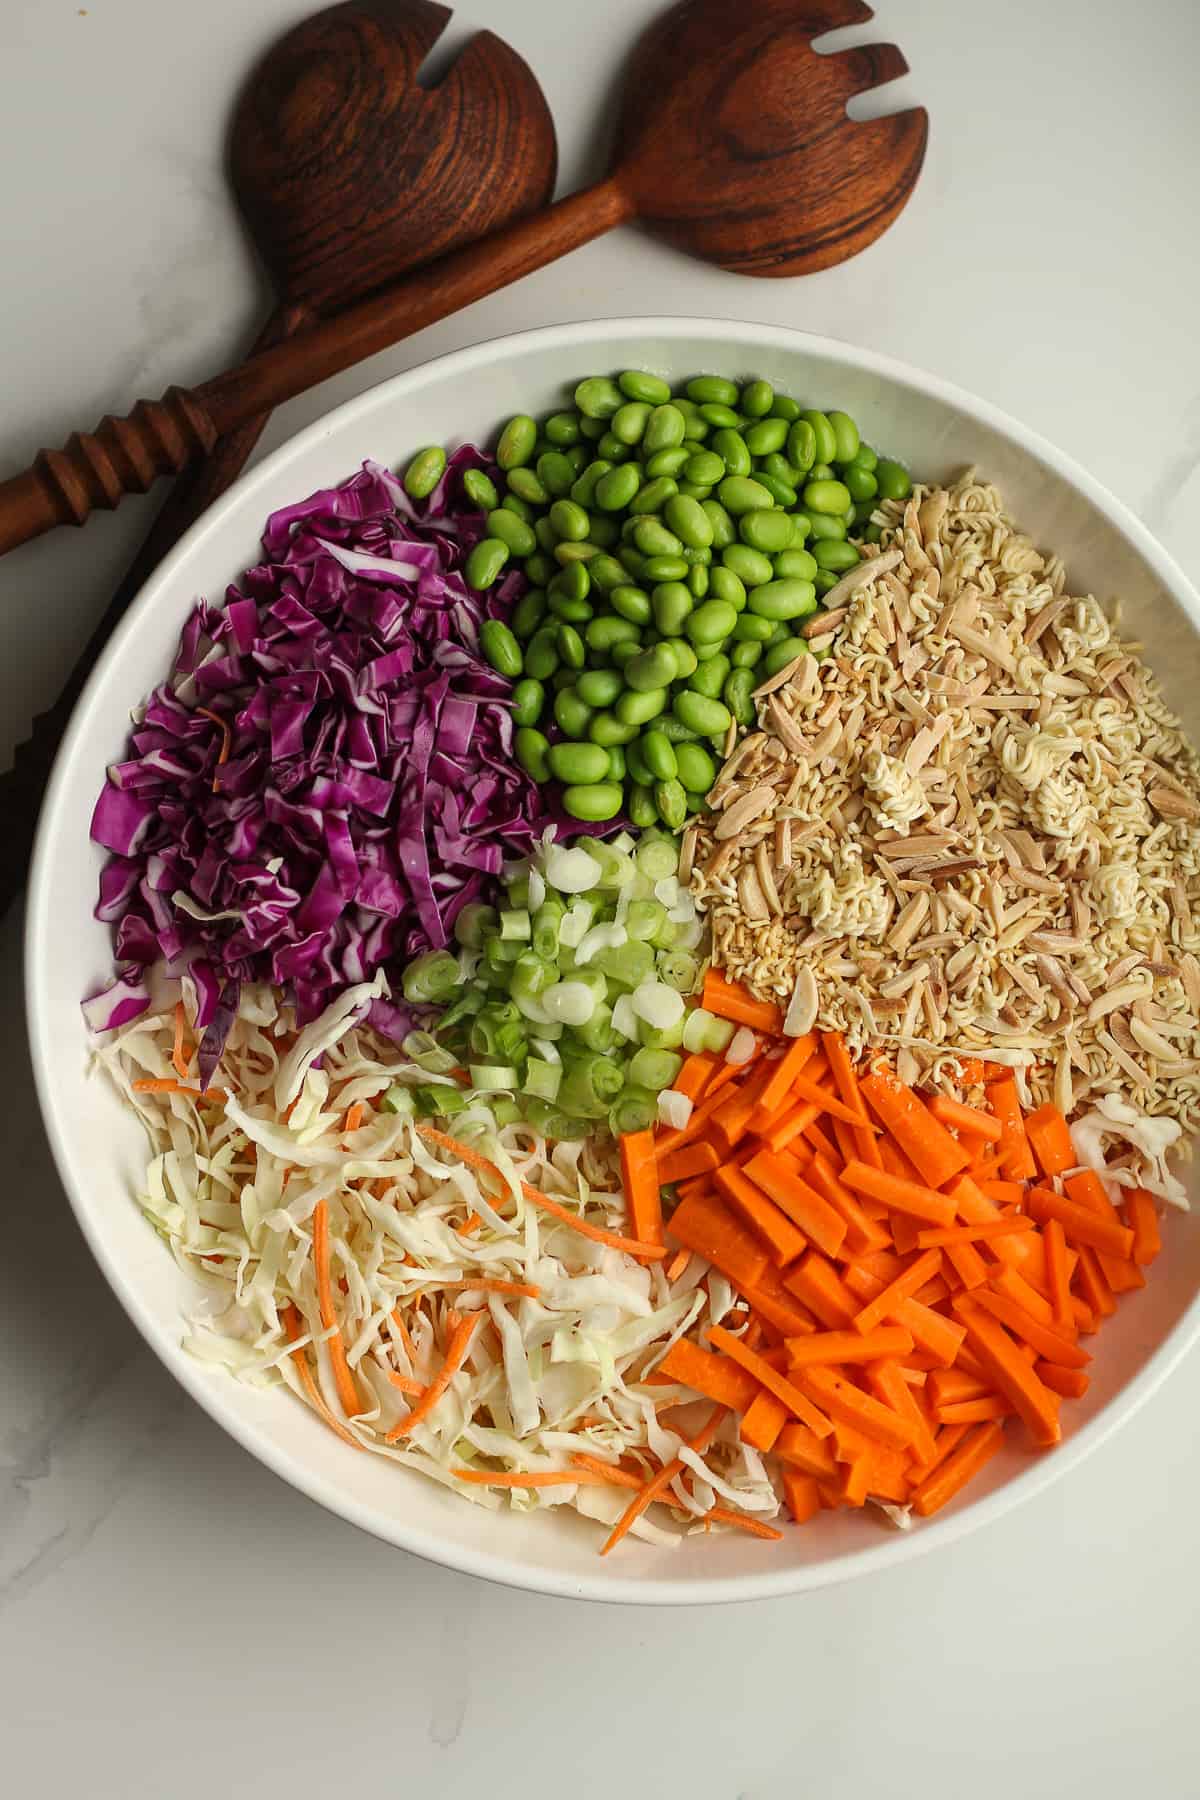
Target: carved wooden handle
[{"x": 159, "y": 437}]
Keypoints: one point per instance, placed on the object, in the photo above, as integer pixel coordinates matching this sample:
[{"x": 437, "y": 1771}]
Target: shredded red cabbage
[{"x": 327, "y": 777}]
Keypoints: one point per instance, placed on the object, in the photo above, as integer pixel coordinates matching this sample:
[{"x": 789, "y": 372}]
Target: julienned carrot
[
  {"x": 802, "y": 1496},
  {"x": 1081, "y": 1225},
  {"x": 541, "y": 1478},
  {"x": 769, "y": 1378},
  {"x": 904, "y": 1287},
  {"x": 957, "y": 1117},
  {"x": 909, "y": 1197},
  {"x": 461, "y": 1333},
  {"x": 802, "y": 1204},
  {"x": 763, "y": 1420},
  {"x": 818, "y": 1285},
  {"x": 1141, "y": 1216},
  {"x": 731, "y": 1121},
  {"x": 612, "y": 1472},
  {"x": 804, "y": 1089},
  {"x": 179, "y": 1061},
  {"x": 974, "y": 1234},
  {"x": 658, "y": 1484},
  {"x": 886, "y": 1381},
  {"x": 935, "y": 1155},
  {"x": 1015, "y": 1155},
  {"x": 794, "y": 1123},
  {"x": 730, "y": 1001},
  {"x": 774, "y": 1226},
  {"x": 848, "y": 1086},
  {"x": 1092, "y": 1279},
  {"x": 631, "y": 1246},
  {"x": 848, "y": 1346},
  {"x": 406, "y": 1384},
  {"x": 965, "y": 1262},
  {"x": 716, "y": 1377},
  {"x": 973, "y": 1412},
  {"x": 803, "y": 1449},
  {"x": 685, "y": 1164},
  {"x": 862, "y": 1233},
  {"x": 1048, "y": 1343},
  {"x": 168, "y": 1086},
  {"x": 640, "y": 1180},
  {"x": 347, "y": 1392},
  {"x": 1072, "y": 1384},
  {"x": 704, "y": 1224},
  {"x": 695, "y": 1075},
  {"x": 488, "y": 1284},
  {"x": 294, "y": 1326},
  {"x": 976, "y": 1448},
  {"x": 1050, "y": 1139},
  {"x": 725, "y": 1515},
  {"x": 1010, "y": 1372},
  {"x": 783, "y": 1074},
  {"x": 771, "y": 1301}
]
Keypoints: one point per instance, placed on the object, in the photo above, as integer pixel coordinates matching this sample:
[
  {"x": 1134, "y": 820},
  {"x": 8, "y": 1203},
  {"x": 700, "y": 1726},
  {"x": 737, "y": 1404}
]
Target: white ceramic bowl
[{"x": 99, "y": 1150}]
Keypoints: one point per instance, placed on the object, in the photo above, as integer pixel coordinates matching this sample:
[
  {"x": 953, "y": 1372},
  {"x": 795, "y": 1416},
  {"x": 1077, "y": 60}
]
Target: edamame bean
[
  {"x": 672, "y": 604},
  {"x": 778, "y": 600},
  {"x": 739, "y": 494},
  {"x": 825, "y": 525},
  {"x": 556, "y": 472},
  {"x": 705, "y": 390},
  {"x": 802, "y": 445},
  {"x": 425, "y": 471},
  {"x": 779, "y": 655},
  {"x": 733, "y": 451},
  {"x": 709, "y": 678},
  {"x": 781, "y": 492},
  {"x": 822, "y": 471},
  {"x": 640, "y": 803},
  {"x": 826, "y": 497},
  {"x": 671, "y": 803},
  {"x": 769, "y": 532},
  {"x": 612, "y": 447},
  {"x": 629, "y": 421},
  {"x": 541, "y": 657},
  {"x": 860, "y": 483},
  {"x": 517, "y": 442},
  {"x": 826, "y": 579},
  {"x": 756, "y": 400},
  {"x": 697, "y": 581},
  {"x": 511, "y": 531},
  {"x": 750, "y": 566},
  {"x": 638, "y": 707},
  {"x": 696, "y": 768},
  {"x": 695, "y": 426},
  {"x": 753, "y": 629},
  {"x": 668, "y": 462},
  {"x": 569, "y": 552},
  {"x": 665, "y": 568},
  {"x": 658, "y": 754},
  {"x": 832, "y": 554},
  {"x": 603, "y": 634},
  {"x": 845, "y": 434},
  {"x": 563, "y": 429},
  {"x": 712, "y": 622},
  {"x": 570, "y": 521},
  {"x": 724, "y": 532},
  {"x": 480, "y": 490},
  {"x": 686, "y": 660},
  {"x": 736, "y": 695},
  {"x": 571, "y": 612},
  {"x": 704, "y": 468},
  {"x": 632, "y": 561},
  {"x": 616, "y": 488},
  {"x": 765, "y": 436},
  {"x": 632, "y": 603},
  {"x": 604, "y": 572},
  {"x": 689, "y": 521},
  {"x": 539, "y": 568},
  {"x": 529, "y": 612},
  {"x": 651, "y": 669},
  {"x": 795, "y": 565},
  {"x": 583, "y": 488},
  {"x": 779, "y": 466},
  {"x": 654, "y": 496},
  {"x": 530, "y": 748},
  {"x": 579, "y": 456},
  {"x": 573, "y": 582},
  {"x": 894, "y": 480},
  {"x": 724, "y": 584},
  {"x": 526, "y": 485},
  {"x": 745, "y": 655},
  {"x": 652, "y": 538},
  {"x": 665, "y": 429},
  {"x": 485, "y": 563},
  {"x": 608, "y": 731},
  {"x": 616, "y": 764},
  {"x": 569, "y": 644},
  {"x": 824, "y": 433},
  {"x": 599, "y": 688},
  {"x": 639, "y": 385},
  {"x": 571, "y": 715},
  {"x": 597, "y": 801},
  {"x": 521, "y": 509},
  {"x": 784, "y": 407},
  {"x": 529, "y": 697},
  {"x": 721, "y": 418},
  {"x": 578, "y": 762},
  {"x": 635, "y": 763},
  {"x": 597, "y": 397},
  {"x": 708, "y": 718}
]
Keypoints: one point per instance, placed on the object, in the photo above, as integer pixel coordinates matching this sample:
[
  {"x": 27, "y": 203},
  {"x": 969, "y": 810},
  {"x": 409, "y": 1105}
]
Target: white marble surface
[{"x": 173, "y": 1620}]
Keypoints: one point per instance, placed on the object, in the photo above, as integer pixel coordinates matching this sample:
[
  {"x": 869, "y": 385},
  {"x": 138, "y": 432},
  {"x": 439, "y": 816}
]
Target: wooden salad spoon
[
  {"x": 350, "y": 171},
  {"x": 733, "y": 143}
]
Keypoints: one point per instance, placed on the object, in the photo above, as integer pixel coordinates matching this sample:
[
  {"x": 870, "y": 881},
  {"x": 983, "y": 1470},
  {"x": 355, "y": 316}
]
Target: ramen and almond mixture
[{"x": 659, "y": 967}]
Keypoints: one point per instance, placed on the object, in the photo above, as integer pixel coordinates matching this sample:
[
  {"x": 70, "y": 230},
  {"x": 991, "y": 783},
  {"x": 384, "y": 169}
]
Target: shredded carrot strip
[
  {"x": 678, "y": 1264},
  {"x": 612, "y": 1472},
  {"x": 179, "y": 1059},
  {"x": 977, "y": 1447},
  {"x": 536, "y": 1478},
  {"x": 294, "y": 1324},
  {"x": 347, "y": 1392},
  {"x": 658, "y": 1484},
  {"x": 461, "y": 1334},
  {"x": 405, "y": 1383},
  {"x": 164, "y": 1085},
  {"x": 470, "y": 1225},
  {"x": 725, "y": 1515},
  {"x": 354, "y": 1117},
  {"x": 974, "y": 1234},
  {"x": 473, "y": 1160},
  {"x": 760, "y": 1368}
]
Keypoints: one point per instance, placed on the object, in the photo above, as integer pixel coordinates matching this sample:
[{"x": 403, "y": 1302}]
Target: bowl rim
[{"x": 195, "y": 1378}]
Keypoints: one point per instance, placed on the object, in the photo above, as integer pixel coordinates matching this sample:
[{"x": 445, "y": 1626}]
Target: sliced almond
[{"x": 743, "y": 812}]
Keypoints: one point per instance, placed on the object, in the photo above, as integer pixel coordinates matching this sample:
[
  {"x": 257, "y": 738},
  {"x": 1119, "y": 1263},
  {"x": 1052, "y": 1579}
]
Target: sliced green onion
[
  {"x": 597, "y": 938},
  {"x": 473, "y": 924},
  {"x": 631, "y": 964},
  {"x": 486, "y": 1078},
  {"x": 431, "y": 978},
  {"x": 644, "y": 918},
  {"x": 654, "y": 1069},
  {"x": 598, "y": 1033},
  {"x": 572, "y": 871},
  {"x": 657, "y": 858},
  {"x": 670, "y": 1037},
  {"x": 422, "y": 1048},
  {"x": 569, "y": 1002},
  {"x": 518, "y": 891},
  {"x": 577, "y": 923},
  {"x": 542, "y": 1079},
  {"x": 658, "y": 1006},
  {"x": 624, "y": 1019},
  {"x": 679, "y": 970},
  {"x": 635, "y": 1110},
  {"x": 399, "y": 1100},
  {"x": 515, "y": 923},
  {"x": 590, "y": 1086},
  {"x": 546, "y": 921},
  {"x": 504, "y": 1110},
  {"x": 555, "y": 1124},
  {"x": 704, "y": 1031},
  {"x": 531, "y": 976},
  {"x": 465, "y": 1007},
  {"x": 617, "y": 869}
]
